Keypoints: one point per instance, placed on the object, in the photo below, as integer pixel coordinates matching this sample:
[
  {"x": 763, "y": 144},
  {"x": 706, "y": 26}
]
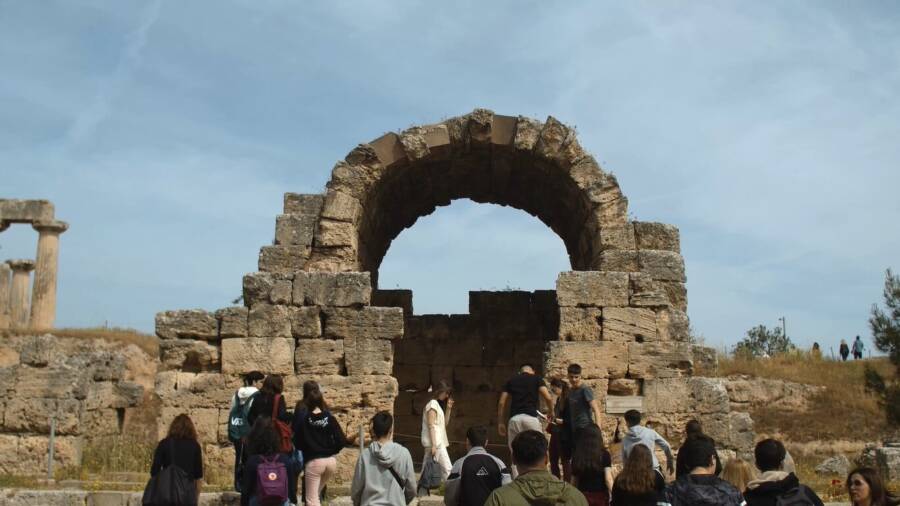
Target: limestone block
[
  {"x": 346, "y": 466},
  {"x": 388, "y": 149},
  {"x": 624, "y": 386},
  {"x": 8, "y": 356},
  {"x": 659, "y": 360},
  {"x": 23, "y": 497},
  {"x": 471, "y": 382},
  {"x": 340, "y": 206},
  {"x": 731, "y": 430},
  {"x": 645, "y": 292},
  {"x": 340, "y": 289},
  {"x": 888, "y": 458},
  {"x": 656, "y": 236},
  {"x": 667, "y": 396},
  {"x": 283, "y": 259},
  {"x": 580, "y": 323},
  {"x": 353, "y": 399},
  {"x": 619, "y": 260},
  {"x": 108, "y": 394},
  {"x": 592, "y": 289},
  {"x": 33, "y": 415},
  {"x": 295, "y": 229},
  {"x": 59, "y": 383},
  {"x": 497, "y": 303},
  {"x": 258, "y": 286},
  {"x": 368, "y": 356},
  {"x": 271, "y": 355},
  {"x": 310, "y": 204},
  {"x": 333, "y": 233},
  {"x": 676, "y": 293},
  {"x": 100, "y": 423},
  {"x": 413, "y": 142},
  {"x": 319, "y": 356},
  {"x": 414, "y": 351},
  {"x": 186, "y": 324},
  {"x": 552, "y": 138},
  {"x": 207, "y": 390},
  {"x": 672, "y": 325},
  {"x": 281, "y": 292},
  {"x": 706, "y": 360},
  {"x": 188, "y": 355},
  {"x": 662, "y": 265},
  {"x": 305, "y": 322},
  {"x": 206, "y": 421},
  {"x": 527, "y": 132},
  {"x": 357, "y": 173},
  {"x": 232, "y": 321},
  {"x": 394, "y": 298},
  {"x": 598, "y": 359},
  {"x": 368, "y": 322},
  {"x": 461, "y": 350},
  {"x": 339, "y": 259},
  {"x": 37, "y": 351},
  {"x": 623, "y": 324},
  {"x": 31, "y": 453},
  {"x": 616, "y": 237},
  {"x": 266, "y": 320}
]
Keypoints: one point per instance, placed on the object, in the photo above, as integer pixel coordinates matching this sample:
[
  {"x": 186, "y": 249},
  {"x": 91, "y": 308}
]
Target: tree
[
  {"x": 885, "y": 325},
  {"x": 761, "y": 341}
]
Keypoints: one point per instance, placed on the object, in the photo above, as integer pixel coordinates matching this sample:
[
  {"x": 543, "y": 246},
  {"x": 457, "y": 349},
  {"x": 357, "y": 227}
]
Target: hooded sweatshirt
[
  {"x": 374, "y": 485},
  {"x": 703, "y": 490},
  {"x": 537, "y": 488},
  {"x": 765, "y": 490},
  {"x": 243, "y": 395},
  {"x": 638, "y": 434}
]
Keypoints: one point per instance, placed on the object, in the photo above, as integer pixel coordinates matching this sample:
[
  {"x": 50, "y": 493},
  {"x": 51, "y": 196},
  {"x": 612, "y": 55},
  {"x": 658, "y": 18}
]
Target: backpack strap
[{"x": 396, "y": 476}]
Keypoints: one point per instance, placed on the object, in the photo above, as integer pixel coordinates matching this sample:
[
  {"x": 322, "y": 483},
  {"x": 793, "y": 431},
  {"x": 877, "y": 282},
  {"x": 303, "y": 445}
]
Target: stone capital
[
  {"x": 50, "y": 226},
  {"x": 21, "y": 265}
]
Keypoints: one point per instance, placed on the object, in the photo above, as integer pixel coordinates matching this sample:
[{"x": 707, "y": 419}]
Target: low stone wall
[{"x": 747, "y": 392}]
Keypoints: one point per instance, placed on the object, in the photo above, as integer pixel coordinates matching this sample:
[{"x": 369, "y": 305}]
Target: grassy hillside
[{"x": 146, "y": 342}]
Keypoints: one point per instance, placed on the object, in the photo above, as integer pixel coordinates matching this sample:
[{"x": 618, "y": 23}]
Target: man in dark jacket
[
  {"x": 477, "y": 474},
  {"x": 701, "y": 487},
  {"x": 774, "y": 482}
]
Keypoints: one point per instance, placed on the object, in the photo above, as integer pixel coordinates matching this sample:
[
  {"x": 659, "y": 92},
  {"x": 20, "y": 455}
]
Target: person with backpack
[
  {"x": 177, "y": 468},
  {"x": 701, "y": 487},
  {"x": 266, "y": 479},
  {"x": 319, "y": 436},
  {"x": 477, "y": 474},
  {"x": 775, "y": 486},
  {"x": 384, "y": 474},
  {"x": 269, "y": 403},
  {"x": 436, "y": 462},
  {"x": 238, "y": 425}
]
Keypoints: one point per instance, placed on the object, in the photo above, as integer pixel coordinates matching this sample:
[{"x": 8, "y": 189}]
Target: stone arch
[{"x": 384, "y": 186}]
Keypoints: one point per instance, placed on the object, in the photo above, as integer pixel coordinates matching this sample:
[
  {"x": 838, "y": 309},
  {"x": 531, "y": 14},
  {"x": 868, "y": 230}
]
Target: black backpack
[
  {"x": 794, "y": 497},
  {"x": 171, "y": 486}
]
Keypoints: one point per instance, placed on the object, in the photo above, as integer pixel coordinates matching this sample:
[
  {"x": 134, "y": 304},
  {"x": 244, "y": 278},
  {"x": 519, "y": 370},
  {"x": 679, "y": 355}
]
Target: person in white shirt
[{"x": 434, "y": 428}]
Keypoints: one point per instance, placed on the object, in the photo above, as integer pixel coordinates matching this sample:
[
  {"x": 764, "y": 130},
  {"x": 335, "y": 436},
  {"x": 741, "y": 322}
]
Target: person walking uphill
[
  {"x": 638, "y": 434},
  {"x": 522, "y": 392},
  {"x": 179, "y": 449},
  {"x": 858, "y": 348},
  {"x": 384, "y": 474},
  {"x": 534, "y": 486},
  {"x": 844, "y": 350},
  {"x": 319, "y": 436}
]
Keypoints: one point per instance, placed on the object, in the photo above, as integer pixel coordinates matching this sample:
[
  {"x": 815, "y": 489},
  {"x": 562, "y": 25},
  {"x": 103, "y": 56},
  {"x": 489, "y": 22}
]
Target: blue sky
[{"x": 166, "y": 133}]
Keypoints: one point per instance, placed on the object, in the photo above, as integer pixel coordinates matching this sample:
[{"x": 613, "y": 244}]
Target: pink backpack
[{"x": 271, "y": 482}]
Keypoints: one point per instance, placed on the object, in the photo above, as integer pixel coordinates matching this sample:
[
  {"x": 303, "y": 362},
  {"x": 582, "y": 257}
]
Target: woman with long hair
[
  {"x": 592, "y": 466},
  {"x": 556, "y": 427},
  {"x": 638, "y": 484},
  {"x": 739, "y": 473},
  {"x": 180, "y": 448},
  {"x": 865, "y": 487},
  {"x": 262, "y": 448},
  {"x": 269, "y": 400},
  {"x": 319, "y": 436},
  {"x": 435, "y": 417}
]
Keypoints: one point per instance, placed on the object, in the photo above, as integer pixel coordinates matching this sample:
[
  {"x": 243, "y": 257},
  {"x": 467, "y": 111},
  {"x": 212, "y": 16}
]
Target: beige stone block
[
  {"x": 660, "y": 360},
  {"x": 676, "y": 293},
  {"x": 662, "y": 265},
  {"x": 624, "y": 386},
  {"x": 580, "y": 324},
  {"x": 305, "y": 322},
  {"x": 108, "y": 394},
  {"x": 355, "y": 177},
  {"x": 627, "y": 325},
  {"x": 341, "y": 289},
  {"x": 186, "y": 324},
  {"x": 281, "y": 292},
  {"x": 354, "y": 399},
  {"x": 33, "y": 415},
  {"x": 367, "y": 322},
  {"x": 672, "y": 325},
  {"x": 188, "y": 355},
  {"x": 207, "y": 390},
  {"x": 59, "y": 383},
  {"x": 100, "y": 423},
  {"x": 319, "y": 356},
  {"x": 232, "y": 321},
  {"x": 266, "y": 320},
  {"x": 340, "y": 206},
  {"x": 619, "y": 260},
  {"x": 258, "y": 286},
  {"x": 657, "y": 236},
  {"x": 8, "y": 356},
  {"x": 598, "y": 359},
  {"x": 271, "y": 355},
  {"x": 295, "y": 229},
  {"x": 645, "y": 292},
  {"x": 206, "y": 421},
  {"x": 32, "y": 452},
  {"x": 527, "y": 132},
  {"x": 592, "y": 289},
  {"x": 333, "y": 234},
  {"x": 388, "y": 149},
  {"x": 552, "y": 138},
  {"x": 283, "y": 259},
  {"x": 368, "y": 356},
  {"x": 413, "y": 142},
  {"x": 617, "y": 237},
  {"x": 297, "y": 203}
]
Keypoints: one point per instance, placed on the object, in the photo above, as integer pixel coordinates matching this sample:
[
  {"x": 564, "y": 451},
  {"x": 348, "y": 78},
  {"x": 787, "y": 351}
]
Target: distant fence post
[{"x": 50, "y": 448}]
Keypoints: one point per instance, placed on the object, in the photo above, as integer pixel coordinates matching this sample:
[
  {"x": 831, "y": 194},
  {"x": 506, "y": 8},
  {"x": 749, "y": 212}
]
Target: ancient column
[
  {"x": 18, "y": 302},
  {"x": 4, "y": 295},
  {"x": 43, "y": 293}
]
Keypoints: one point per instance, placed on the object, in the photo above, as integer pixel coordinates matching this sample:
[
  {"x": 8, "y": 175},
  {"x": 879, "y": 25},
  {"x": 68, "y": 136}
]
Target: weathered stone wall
[
  {"x": 475, "y": 352},
  {"x": 89, "y": 386}
]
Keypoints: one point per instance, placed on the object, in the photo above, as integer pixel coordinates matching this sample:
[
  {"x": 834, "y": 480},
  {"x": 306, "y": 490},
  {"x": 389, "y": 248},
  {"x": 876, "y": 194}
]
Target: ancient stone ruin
[
  {"x": 314, "y": 310},
  {"x": 15, "y": 311}
]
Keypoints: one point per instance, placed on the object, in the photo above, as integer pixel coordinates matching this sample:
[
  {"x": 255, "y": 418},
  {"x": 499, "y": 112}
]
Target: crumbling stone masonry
[{"x": 313, "y": 309}]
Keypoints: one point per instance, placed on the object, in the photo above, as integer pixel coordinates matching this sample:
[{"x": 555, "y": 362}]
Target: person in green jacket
[{"x": 535, "y": 486}]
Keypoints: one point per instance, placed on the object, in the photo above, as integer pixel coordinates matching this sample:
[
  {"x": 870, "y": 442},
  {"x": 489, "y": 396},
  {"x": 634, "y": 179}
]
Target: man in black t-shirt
[
  {"x": 523, "y": 392},
  {"x": 477, "y": 474}
]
